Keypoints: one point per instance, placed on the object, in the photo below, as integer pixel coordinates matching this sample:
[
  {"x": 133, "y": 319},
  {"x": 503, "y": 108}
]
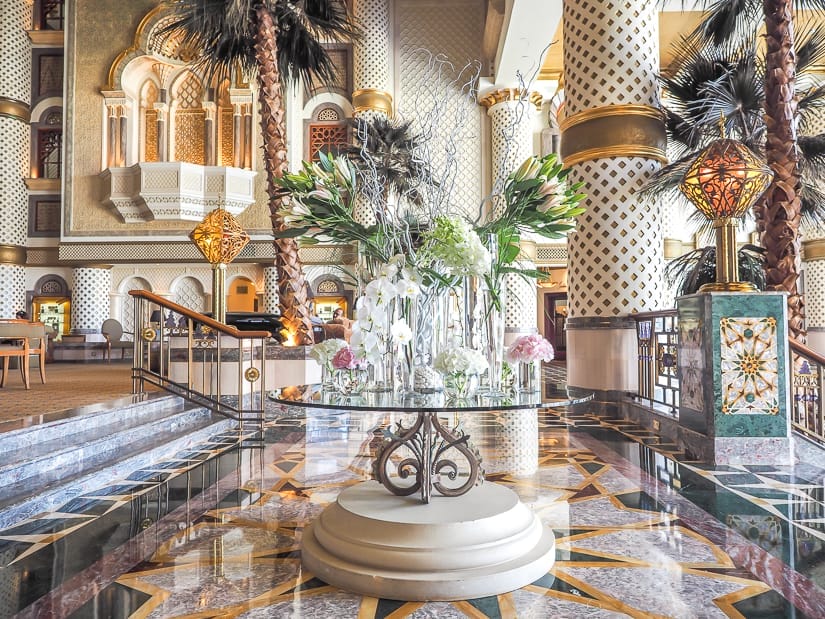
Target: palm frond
[
  {"x": 727, "y": 20},
  {"x": 303, "y": 28},
  {"x": 388, "y": 148},
  {"x": 692, "y": 270}
]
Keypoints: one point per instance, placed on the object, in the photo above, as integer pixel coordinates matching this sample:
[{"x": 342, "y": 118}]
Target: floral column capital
[{"x": 503, "y": 95}]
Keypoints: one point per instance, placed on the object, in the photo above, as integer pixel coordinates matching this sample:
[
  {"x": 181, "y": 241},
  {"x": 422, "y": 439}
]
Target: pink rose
[
  {"x": 345, "y": 359},
  {"x": 529, "y": 348}
]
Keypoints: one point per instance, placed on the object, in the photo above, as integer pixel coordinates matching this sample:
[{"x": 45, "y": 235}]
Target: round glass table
[{"x": 467, "y": 540}]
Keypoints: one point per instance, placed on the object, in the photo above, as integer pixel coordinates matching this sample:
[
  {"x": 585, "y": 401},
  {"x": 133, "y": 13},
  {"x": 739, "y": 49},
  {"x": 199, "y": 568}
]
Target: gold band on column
[
  {"x": 510, "y": 94},
  {"x": 614, "y": 131},
  {"x": 15, "y": 109},
  {"x": 13, "y": 254},
  {"x": 813, "y": 249},
  {"x": 372, "y": 100}
]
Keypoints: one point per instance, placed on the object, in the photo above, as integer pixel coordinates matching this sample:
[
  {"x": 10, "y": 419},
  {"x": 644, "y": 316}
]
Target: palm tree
[
  {"x": 778, "y": 214},
  {"x": 725, "y": 76},
  {"x": 278, "y": 41}
]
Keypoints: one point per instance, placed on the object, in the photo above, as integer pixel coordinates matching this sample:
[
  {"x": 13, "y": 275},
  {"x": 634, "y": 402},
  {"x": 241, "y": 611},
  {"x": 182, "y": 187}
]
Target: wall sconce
[
  {"x": 220, "y": 238},
  {"x": 724, "y": 181}
]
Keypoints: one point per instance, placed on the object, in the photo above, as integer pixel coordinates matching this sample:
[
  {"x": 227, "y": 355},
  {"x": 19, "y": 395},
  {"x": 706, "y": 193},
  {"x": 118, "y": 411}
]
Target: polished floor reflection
[{"x": 215, "y": 531}]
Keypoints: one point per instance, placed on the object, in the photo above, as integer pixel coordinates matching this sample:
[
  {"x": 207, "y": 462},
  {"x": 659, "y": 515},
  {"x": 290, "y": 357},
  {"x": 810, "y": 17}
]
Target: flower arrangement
[
  {"x": 461, "y": 368},
  {"x": 529, "y": 348},
  {"x": 460, "y": 360},
  {"x": 323, "y": 352},
  {"x": 453, "y": 242},
  {"x": 345, "y": 359}
]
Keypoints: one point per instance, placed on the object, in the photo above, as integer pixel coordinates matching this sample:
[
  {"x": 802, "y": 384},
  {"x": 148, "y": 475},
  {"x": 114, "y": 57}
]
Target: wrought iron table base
[{"x": 429, "y": 441}]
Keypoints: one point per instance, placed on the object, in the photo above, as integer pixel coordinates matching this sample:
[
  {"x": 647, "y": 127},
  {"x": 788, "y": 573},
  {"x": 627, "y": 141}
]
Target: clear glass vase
[
  {"x": 350, "y": 382},
  {"x": 460, "y": 385},
  {"x": 493, "y": 302},
  {"x": 529, "y": 376}
]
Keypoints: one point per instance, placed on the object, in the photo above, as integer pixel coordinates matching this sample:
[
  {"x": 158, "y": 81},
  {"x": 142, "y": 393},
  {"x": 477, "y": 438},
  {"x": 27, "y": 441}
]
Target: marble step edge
[
  {"x": 72, "y": 458},
  {"x": 48, "y": 499},
  {"x": 116, "y": 424},
  {"x": 32, "y": 430}
]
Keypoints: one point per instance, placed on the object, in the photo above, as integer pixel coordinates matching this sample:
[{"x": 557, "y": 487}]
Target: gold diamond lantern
[
  {"x": 220, "y": 238},
  {"x": 724, "y": 181}
]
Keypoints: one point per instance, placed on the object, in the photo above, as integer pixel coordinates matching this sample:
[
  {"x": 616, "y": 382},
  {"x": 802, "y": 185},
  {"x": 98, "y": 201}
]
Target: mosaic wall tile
[{"x": 750, "y": 367}]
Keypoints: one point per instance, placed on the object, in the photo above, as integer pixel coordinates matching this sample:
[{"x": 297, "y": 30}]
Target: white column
[
  {"x": 15, "y": 145},
  {"x": 613, "y": 139},
  {"x": 91, "y": 288},
  {"x": 271, "y": 290}
]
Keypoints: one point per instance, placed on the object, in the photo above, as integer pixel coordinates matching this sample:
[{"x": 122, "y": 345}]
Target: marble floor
[{"x": 216, "y": 530}]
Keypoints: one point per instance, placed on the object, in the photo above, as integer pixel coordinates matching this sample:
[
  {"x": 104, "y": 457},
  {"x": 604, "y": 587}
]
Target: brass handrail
[
  {"x": 201, "y": 318},
  {"x": 214, "y": 365}
]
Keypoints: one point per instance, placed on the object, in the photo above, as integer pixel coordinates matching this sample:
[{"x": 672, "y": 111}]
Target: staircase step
[
  {"x": 32, "y": 431},
  {"x": 41, "y": 463},
  {"x": 158, "y": 443}
]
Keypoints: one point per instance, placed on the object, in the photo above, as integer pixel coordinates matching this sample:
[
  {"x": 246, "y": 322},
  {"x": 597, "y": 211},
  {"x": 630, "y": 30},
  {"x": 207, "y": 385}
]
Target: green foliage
[{"x": 694, "y": 269}]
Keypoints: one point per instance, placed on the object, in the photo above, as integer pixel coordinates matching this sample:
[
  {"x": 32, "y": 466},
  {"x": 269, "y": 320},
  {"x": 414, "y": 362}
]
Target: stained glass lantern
[
  {"x": 724, "y": 181},
  {"x": 220, "y": 238}
]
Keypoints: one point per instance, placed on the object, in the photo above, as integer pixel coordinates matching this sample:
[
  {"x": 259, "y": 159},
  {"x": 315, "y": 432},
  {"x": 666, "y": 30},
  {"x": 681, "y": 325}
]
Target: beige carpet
[{"x": 68, "y": 385}]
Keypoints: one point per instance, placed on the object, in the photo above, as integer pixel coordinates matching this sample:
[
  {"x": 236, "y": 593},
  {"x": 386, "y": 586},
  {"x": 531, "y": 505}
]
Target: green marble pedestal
[{"x": 733, "y": 370}]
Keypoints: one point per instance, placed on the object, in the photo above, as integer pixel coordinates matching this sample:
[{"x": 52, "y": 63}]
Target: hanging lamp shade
[
  {"x": 219, "y": 237},
  {"x": 725, "y": 179}
]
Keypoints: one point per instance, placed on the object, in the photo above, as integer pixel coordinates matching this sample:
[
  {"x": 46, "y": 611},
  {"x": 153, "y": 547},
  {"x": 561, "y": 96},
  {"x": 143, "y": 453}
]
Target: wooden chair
[
  {"x": 14, "y": 342},
  {"x": 112, "y": 330}
]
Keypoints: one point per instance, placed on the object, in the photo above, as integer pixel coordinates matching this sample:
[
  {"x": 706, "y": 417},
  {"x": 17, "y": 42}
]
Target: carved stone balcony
[{"x": 176, "y": 191}]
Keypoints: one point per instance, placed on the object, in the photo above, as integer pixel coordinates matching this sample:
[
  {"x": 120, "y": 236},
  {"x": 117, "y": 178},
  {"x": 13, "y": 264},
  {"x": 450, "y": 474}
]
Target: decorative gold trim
[
  {"x": 510, "y": 94},
  {"x": 252, "y": 375},
  {"x": 619, "y": 150},
  {"x": 110, "y": 80},
  {"x": 728, "y": 287},
  {"x": 606, "y": 111},
  {"x": 43, "y": 184},
  {"x": 614, "y": 131},
  {"x": 15, "y": 109},
  {"x": 46, "y": 37},
  {"x": 813, "y": 249},
  {"x": 13, "y": 254},
  {"x": 148, "y": 334},
  {"x": 372, "y": 99}
]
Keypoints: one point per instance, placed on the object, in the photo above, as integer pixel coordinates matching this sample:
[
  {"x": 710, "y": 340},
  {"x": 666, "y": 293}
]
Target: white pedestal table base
[{"x": 482, "y": 543}]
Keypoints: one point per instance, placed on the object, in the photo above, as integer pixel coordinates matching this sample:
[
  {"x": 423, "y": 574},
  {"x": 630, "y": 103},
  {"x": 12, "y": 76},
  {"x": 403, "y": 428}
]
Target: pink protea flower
[
  {"x": 529, "y": 348},
  {"x": 345, "y": 359}
]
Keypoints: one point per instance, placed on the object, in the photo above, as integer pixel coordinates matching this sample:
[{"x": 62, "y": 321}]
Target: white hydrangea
[{"x": 460, "y": 360}]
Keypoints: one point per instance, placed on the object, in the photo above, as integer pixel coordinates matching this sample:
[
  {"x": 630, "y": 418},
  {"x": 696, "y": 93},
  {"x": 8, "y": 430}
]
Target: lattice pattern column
[
  {"x": 371, "y": 59},
  {"x": 271, "y": 290},
  {"x": 15, "y": 97},
  {"x": 511, "y": 112},
  {"x": 91, "y": 288},
  {"x": 613, "y": 139}
]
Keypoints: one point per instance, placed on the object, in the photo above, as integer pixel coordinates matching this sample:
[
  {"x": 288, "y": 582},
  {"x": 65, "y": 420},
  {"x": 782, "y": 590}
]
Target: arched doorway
[
  {"x": 51, "y": 303},
  {"x": 242, "y": 296}
]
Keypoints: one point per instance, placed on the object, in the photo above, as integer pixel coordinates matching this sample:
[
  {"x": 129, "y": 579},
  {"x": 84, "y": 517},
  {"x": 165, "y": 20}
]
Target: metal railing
[
  {"x": 807, "y": 412},
  {"x": 204, "y": 361},
  {"x": 657, "y": 337}
]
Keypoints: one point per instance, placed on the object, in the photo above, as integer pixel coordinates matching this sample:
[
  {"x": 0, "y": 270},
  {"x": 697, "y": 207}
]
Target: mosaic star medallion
[{"x": 749, "y": 365}]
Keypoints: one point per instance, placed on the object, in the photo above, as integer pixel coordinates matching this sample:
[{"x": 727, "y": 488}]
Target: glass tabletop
[{"x": 313, "y": 396}]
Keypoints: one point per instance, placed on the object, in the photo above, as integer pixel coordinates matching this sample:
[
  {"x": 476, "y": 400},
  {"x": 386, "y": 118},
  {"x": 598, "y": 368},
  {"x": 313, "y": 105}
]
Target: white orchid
[
  {"x": 380, "y": 292},
  {"x": 407, "y": 289},
  {"x": 401, "y": 332}
]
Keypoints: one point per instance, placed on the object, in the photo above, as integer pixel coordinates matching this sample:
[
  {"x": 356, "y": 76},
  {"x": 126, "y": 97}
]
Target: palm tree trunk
[
  {"x": 779, "y": 212},
  {"x": 292, "y": 288}
]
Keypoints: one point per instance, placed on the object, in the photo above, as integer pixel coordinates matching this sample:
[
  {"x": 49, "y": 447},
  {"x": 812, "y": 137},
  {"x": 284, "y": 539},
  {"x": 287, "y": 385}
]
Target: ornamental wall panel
[{"x": 454, "y": 30}]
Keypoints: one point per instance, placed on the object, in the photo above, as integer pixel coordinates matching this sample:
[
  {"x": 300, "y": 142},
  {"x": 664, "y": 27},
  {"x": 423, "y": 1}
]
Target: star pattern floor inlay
[{"x": 216, "y": 531}]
